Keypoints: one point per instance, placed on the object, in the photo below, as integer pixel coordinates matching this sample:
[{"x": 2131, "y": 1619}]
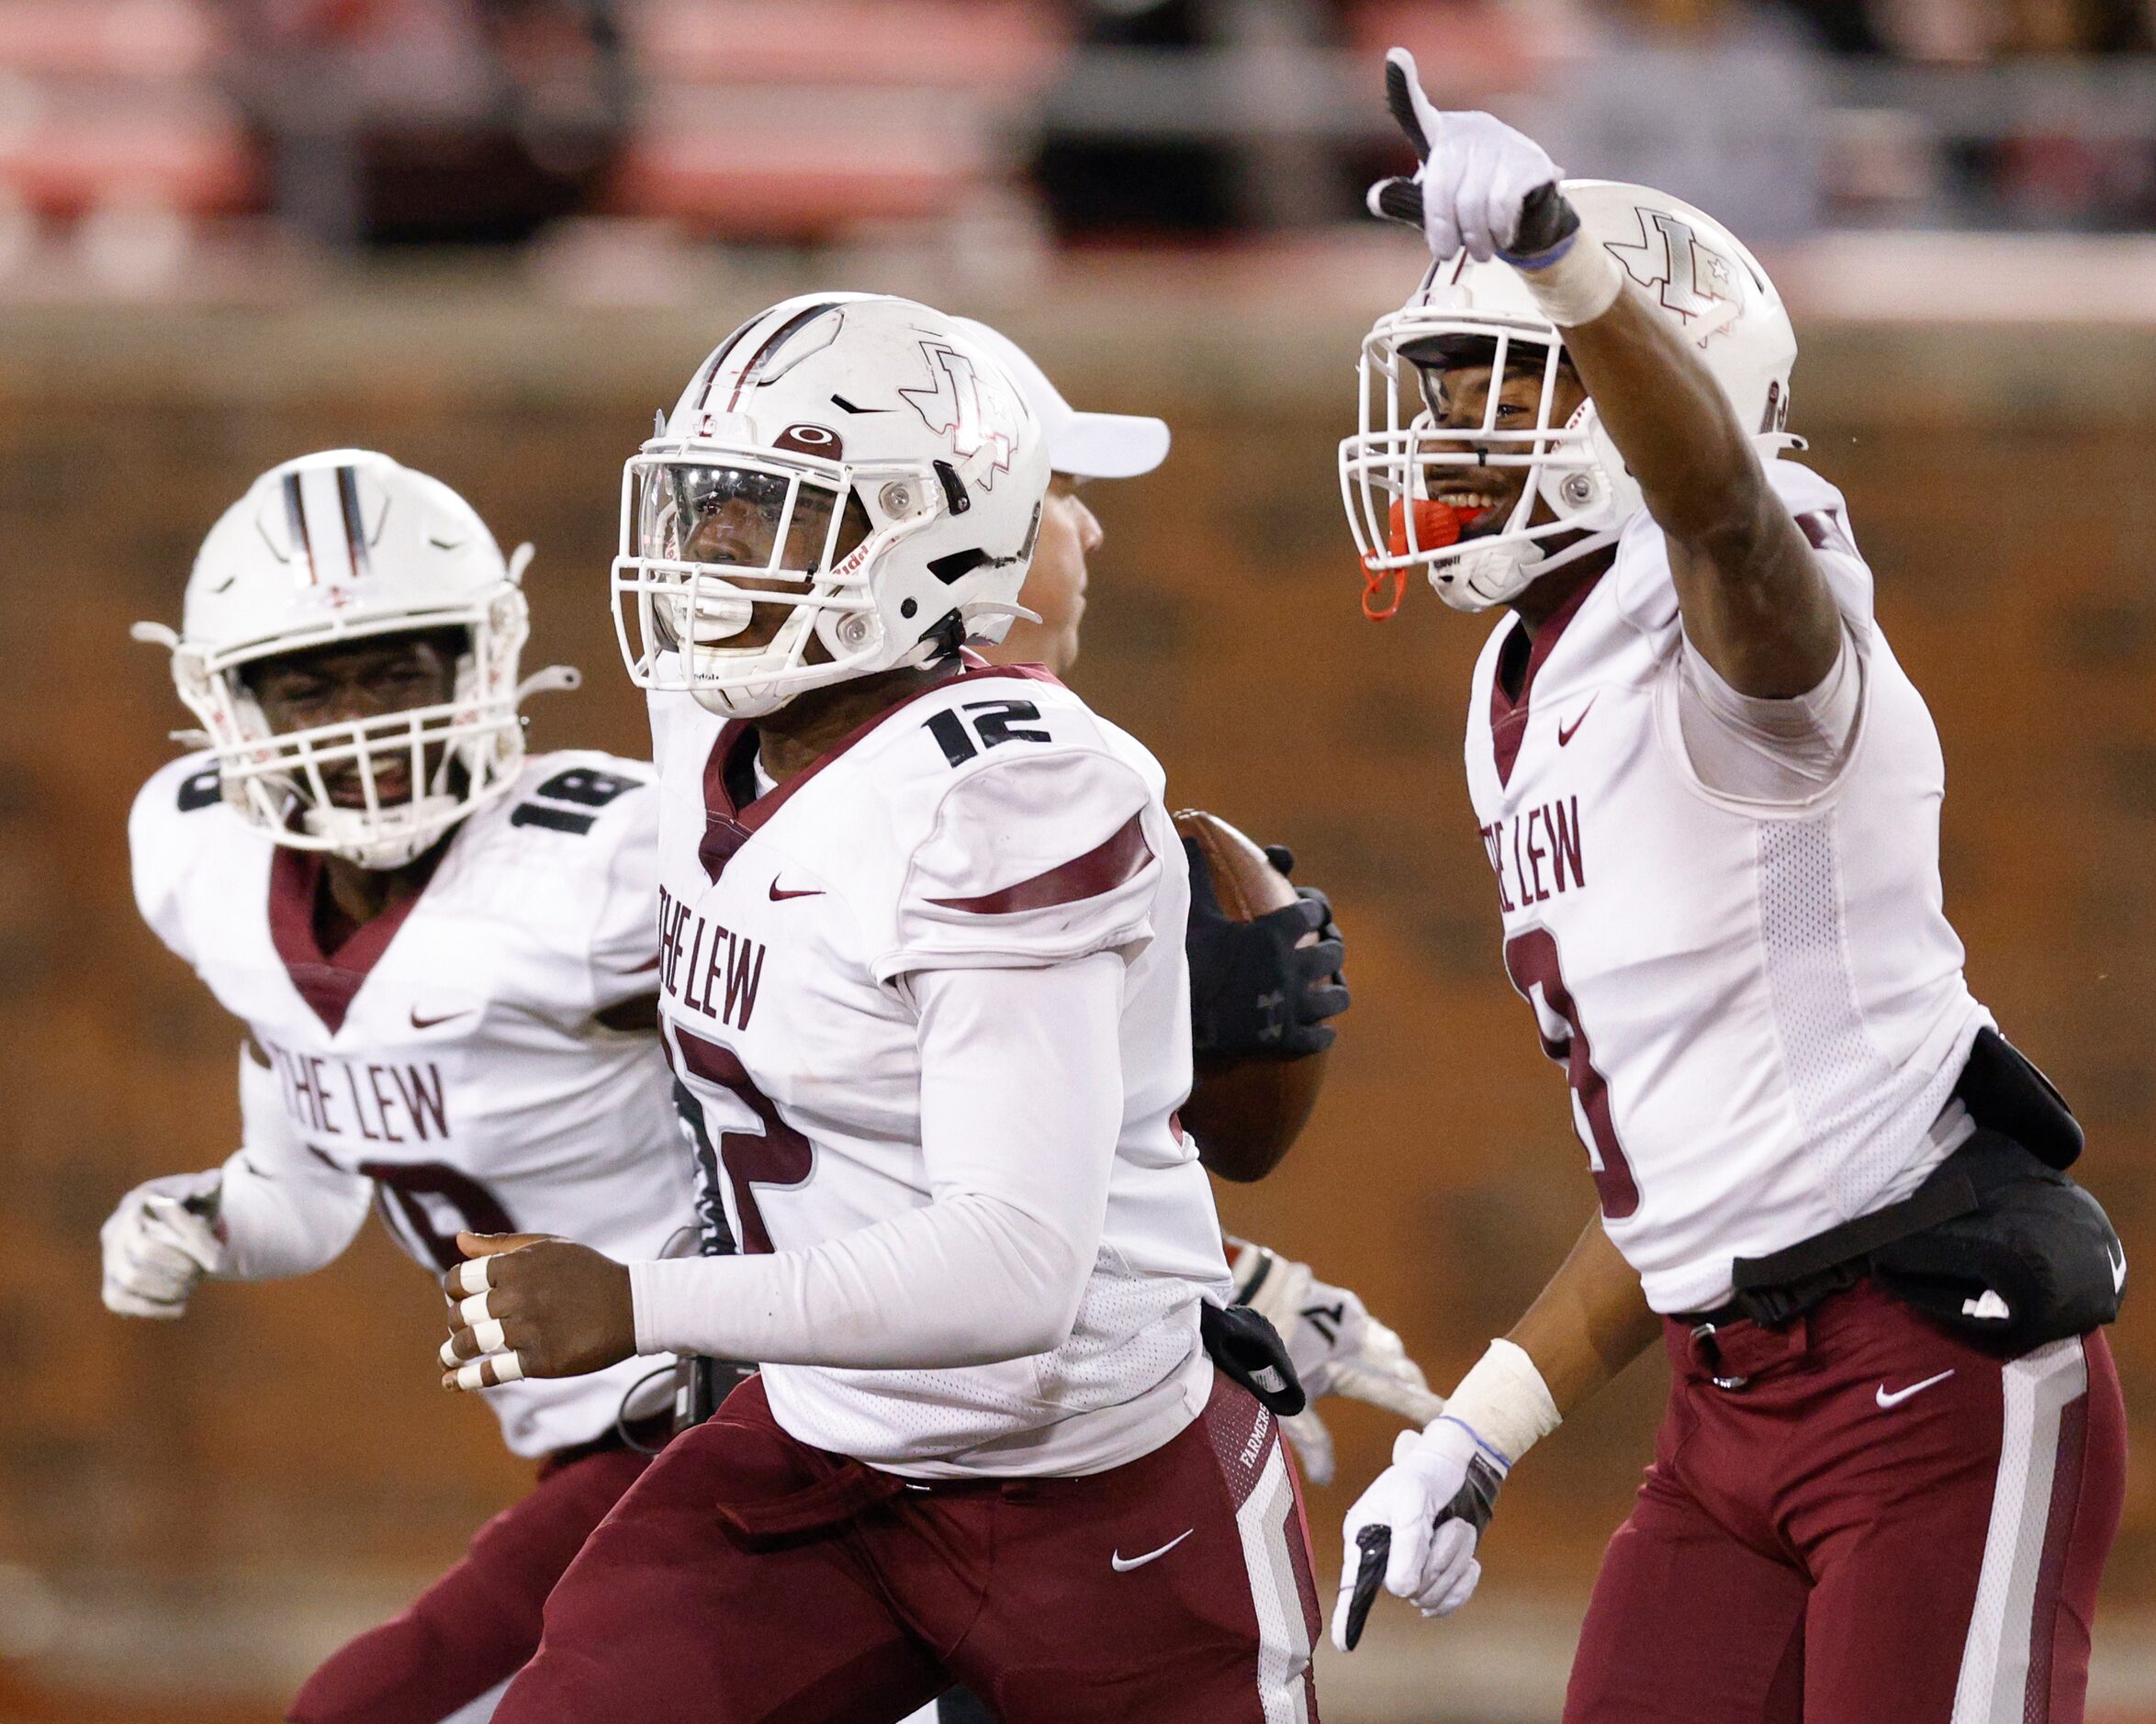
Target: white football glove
[
  {"x": 1415, "y": 1527},
  {"x": 161, "y": 1241},
  {"x": 1336, "y": 1348},
  {"x": 1476, "y": 173}
]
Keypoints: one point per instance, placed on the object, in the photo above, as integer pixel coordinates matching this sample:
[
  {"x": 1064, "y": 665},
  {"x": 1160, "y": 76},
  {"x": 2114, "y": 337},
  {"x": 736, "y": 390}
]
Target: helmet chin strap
[
  {"x": 1493, "y": 575},
  {"x": 755, "y": 698},
  {"x": 421, "y": 824},
  {"x": 738, "y": 703}
]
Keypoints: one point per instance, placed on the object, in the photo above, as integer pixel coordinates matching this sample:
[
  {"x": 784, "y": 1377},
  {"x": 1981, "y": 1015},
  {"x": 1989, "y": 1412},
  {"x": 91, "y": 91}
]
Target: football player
[
  {"x": 1257, "y": 991},
  {"x": 442, "y": 951},
  {"x": 1894, "y": 1458},
  {"x": 923, "y": 975}
]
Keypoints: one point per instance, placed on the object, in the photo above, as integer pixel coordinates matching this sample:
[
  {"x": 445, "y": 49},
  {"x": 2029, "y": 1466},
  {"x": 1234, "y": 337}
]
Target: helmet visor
[{"x": 762, "y": 522}]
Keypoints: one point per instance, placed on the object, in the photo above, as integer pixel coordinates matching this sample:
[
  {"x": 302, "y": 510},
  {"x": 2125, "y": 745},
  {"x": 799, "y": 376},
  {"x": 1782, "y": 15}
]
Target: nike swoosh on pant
[
  {"x": 1900, "y": 1395},
  {"x": 1123, "y": 1565}
]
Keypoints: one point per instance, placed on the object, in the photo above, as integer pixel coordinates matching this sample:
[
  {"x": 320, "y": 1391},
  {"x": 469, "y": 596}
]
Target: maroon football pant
[
  {"x": 1178, "y": 1586},
  {"x": 1882, "y": 1524},
  {"x": 477, "y": 1626}
]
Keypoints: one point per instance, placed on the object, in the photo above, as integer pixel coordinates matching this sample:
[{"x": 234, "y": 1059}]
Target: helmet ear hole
[
  {"x": 1598, "y": 492},
  {"x": 845, "y": 633}
]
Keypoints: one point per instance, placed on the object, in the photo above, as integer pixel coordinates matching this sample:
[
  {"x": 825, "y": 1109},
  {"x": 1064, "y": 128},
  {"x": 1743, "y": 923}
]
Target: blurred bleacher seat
[
  {"x": 113, "y": 105},
  {"x": 810, "y": 119},
  {"x": 1467, "y": 45},
  {"x": 969, "y": 130}
]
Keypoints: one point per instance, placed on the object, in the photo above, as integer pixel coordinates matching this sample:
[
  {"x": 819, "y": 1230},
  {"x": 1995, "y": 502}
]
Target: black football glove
[{"x": 1253, "y": 990}]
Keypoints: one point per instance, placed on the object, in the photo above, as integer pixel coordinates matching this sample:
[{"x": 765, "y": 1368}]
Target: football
[{"x": 1246, "y": 1114}]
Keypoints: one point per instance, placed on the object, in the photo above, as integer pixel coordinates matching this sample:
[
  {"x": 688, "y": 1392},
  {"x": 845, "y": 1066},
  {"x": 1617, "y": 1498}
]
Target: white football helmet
[
  {"x": 336, "y": 547},
  {"x": 853, "y": 461},
  {"x": 1689, "y": 266}
]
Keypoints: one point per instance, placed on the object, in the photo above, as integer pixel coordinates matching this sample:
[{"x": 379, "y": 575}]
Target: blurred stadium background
[{"x": 490, "y": 236}]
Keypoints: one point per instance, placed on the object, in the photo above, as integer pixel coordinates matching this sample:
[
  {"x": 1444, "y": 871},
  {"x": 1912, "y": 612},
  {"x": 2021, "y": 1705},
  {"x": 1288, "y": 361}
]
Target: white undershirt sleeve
[
  {"x": 1765, "y": 750},
  {"x": 1021, "y": 1105},
  {"x": 283, "y": 1212}
]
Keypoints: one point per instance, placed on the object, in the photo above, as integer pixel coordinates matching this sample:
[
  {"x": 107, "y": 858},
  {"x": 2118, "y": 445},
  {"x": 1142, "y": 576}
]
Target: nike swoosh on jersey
[
  {"x": 1900, "y": 1395},
  {"x": 780, "y": 894},
  {"x": 419, "y": 1022},
  {"x": 1566, "y": 732},
  {"x": 1123, "y": 1564},
  {"x": 2118, "y": 1270}
]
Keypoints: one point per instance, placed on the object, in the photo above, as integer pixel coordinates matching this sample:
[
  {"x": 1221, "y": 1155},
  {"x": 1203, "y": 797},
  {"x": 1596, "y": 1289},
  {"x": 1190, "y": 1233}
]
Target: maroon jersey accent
[
  {"x": 723, "y": 831},
  {"x": 400, "y": 1185},
  {"x": 1824, "y": 531},
  {"x": 1532, "y": 962},
  {"x": 729, "y": 826},
  {"x": 1508, "y": 714},
  {"x": 777, "y": 1155},
  {"x": 327, "y": 981},
  {"x": 1102, "y": 869}
]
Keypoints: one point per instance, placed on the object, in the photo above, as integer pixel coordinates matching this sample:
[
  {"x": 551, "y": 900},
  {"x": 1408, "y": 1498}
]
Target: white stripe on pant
[
  {"x": 2037, "y": 1387},
  {"x": 1268, "y": 1523}
]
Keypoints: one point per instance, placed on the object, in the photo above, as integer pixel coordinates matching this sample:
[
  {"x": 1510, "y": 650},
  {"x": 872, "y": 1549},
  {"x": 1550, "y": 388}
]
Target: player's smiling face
[
  {"x": 354, "y": 683},
  {"x": 1458, "y": 398}
]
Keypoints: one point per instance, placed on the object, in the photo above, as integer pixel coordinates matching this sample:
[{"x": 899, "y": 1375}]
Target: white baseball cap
[{"x": 1085, "y": 445}]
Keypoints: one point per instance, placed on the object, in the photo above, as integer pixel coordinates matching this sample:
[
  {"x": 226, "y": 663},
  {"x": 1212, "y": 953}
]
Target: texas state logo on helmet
[
  {"x": 1686, "y": 263},
  {"x": 341, "y": 546},
  {"x": 849, "y": 483}
]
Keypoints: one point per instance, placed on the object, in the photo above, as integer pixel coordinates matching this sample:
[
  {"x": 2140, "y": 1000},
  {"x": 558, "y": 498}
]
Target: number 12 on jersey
[{"x": 1531, "y": 960}]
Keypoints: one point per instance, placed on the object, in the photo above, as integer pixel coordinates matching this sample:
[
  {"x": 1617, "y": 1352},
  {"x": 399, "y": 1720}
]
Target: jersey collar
[
  {"x": 327, "y": 981},
  {"x": 1507, "y": 716},
  {"x": 729, "y": 823}
]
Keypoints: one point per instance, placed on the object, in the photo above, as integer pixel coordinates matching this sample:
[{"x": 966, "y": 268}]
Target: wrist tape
[
  {"x": 1504, "y": 1400},
  {"x": 1576, "y": 284}
]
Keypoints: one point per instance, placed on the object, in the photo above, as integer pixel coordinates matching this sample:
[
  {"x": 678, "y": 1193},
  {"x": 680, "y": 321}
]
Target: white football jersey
[
  {"x": 450, "y": 1054},
  {"x": 993, "y": 820},
  {"x": 1759, "y": 1007}
]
